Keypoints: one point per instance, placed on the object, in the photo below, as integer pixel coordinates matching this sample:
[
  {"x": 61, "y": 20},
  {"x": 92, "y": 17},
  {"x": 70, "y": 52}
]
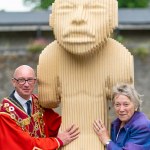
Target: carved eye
[
  {"x": 65, "y": 7},
  {"x": 95, "y": 7}
]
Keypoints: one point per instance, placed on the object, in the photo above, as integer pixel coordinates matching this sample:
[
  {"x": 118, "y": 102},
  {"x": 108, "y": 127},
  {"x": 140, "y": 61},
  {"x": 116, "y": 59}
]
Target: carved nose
[{"x": 79, "y": 16}]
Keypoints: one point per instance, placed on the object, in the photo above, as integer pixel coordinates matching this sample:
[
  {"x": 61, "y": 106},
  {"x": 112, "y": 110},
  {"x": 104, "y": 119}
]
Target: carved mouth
[
  {"x": 78, "y": 40},
  {"x": 78, "y": 37}
]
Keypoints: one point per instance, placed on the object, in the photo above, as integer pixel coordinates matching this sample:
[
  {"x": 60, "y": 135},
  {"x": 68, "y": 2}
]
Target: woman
[{"x": 131, "y": 130}]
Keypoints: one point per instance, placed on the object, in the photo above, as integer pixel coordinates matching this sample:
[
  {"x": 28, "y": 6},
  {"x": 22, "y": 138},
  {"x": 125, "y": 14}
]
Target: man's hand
[{"x": 69, "y": 135}]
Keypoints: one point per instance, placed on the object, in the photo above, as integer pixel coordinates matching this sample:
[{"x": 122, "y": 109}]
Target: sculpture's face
[{"x": 82, "y": 25}]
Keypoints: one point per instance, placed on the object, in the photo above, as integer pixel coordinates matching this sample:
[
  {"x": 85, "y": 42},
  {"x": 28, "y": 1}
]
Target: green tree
[
  {"x": 39, "y": 4},
  {"x": 133, "y": 3},
  {"x": 44, "y": 4}
]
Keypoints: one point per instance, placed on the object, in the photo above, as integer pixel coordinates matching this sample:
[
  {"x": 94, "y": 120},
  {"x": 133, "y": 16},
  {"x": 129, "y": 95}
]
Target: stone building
[{"x": 20, "y": 30}]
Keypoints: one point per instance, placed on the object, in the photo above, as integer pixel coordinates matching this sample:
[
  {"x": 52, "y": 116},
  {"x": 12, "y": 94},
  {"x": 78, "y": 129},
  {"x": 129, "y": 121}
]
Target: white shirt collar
[{"x": 20, "y": 99}]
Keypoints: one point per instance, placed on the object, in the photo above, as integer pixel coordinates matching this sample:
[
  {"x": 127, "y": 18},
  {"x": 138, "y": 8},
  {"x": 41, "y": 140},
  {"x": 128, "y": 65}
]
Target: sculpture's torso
[{"x": 85, "y": 84}]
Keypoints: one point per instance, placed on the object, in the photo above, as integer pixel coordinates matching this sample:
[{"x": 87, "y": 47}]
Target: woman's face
[{"x": 124, "y": 108}]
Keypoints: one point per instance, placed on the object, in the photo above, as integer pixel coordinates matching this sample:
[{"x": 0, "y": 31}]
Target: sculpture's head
[{"x": 80, "y": 26}]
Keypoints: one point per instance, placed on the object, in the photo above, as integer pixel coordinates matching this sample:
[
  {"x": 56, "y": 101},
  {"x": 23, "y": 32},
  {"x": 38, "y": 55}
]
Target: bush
[
  {"x": 133, "y": 3},
  {"x": 37, "y": 45}
]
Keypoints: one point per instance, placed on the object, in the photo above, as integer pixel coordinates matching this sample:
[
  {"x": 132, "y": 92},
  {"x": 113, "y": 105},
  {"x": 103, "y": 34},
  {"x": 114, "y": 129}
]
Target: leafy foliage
[
  {"x": 37, "y": 45},
  {"x": 133, "y": 3},
  {"x": 39, "y": 4},
  {"x": 44, "y": 4}
]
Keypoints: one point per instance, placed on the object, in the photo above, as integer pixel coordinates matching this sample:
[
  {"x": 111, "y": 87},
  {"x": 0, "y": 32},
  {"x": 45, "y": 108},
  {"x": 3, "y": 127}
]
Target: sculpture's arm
[{"x": 48, "y": 80}]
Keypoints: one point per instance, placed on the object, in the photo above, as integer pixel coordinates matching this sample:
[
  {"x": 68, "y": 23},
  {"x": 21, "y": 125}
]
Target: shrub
[
  {"x": 133, "y": 3},
  {"x": 37, "y": 45}
]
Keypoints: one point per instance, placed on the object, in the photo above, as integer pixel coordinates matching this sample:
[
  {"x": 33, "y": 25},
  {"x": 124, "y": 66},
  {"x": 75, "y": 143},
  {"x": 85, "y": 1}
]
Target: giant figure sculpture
[{"x": 82, "y": 64}]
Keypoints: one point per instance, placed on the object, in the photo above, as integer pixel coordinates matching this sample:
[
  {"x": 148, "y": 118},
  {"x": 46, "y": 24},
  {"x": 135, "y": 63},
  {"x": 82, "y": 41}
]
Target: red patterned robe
[{"x": 18, "y": 131}]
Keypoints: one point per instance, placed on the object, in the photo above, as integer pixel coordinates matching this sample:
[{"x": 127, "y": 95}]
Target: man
[{"x": 24, "y": 125}]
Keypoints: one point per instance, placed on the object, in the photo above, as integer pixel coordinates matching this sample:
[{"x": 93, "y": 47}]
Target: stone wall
[
  {"x": 142, "y": 81},
  {"x": 138, "y": 42}
]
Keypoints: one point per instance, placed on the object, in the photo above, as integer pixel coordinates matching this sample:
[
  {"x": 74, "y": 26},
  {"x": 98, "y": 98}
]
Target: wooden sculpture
[{"x": 80, "y": 67}]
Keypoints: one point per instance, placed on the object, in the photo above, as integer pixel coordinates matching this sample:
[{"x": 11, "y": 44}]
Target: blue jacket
[{"x": 135, "y": 135}]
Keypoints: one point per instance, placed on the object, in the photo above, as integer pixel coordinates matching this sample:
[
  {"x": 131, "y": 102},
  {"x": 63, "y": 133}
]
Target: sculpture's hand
[{"x": 69, "y": 135}]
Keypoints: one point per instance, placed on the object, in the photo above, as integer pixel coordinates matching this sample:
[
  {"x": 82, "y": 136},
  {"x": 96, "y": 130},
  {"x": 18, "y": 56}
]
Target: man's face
[
  {"x": 81, "y": 25},
  {"x": 24, "y": 82}
]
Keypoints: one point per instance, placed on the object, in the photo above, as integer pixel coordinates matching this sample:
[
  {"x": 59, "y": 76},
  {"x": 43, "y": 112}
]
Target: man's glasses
[{"x": 23, "y": 81}]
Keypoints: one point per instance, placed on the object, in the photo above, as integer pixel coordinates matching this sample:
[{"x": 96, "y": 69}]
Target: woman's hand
[{"x": 101, "y": 131}]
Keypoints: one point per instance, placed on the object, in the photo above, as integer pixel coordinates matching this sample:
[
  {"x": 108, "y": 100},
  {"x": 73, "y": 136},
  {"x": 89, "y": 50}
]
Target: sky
[{"x": 13, "y": 6}]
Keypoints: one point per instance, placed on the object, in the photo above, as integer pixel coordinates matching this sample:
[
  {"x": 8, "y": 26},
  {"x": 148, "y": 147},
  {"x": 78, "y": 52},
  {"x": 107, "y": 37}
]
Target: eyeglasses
[{"x": 23, "y": 81}]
